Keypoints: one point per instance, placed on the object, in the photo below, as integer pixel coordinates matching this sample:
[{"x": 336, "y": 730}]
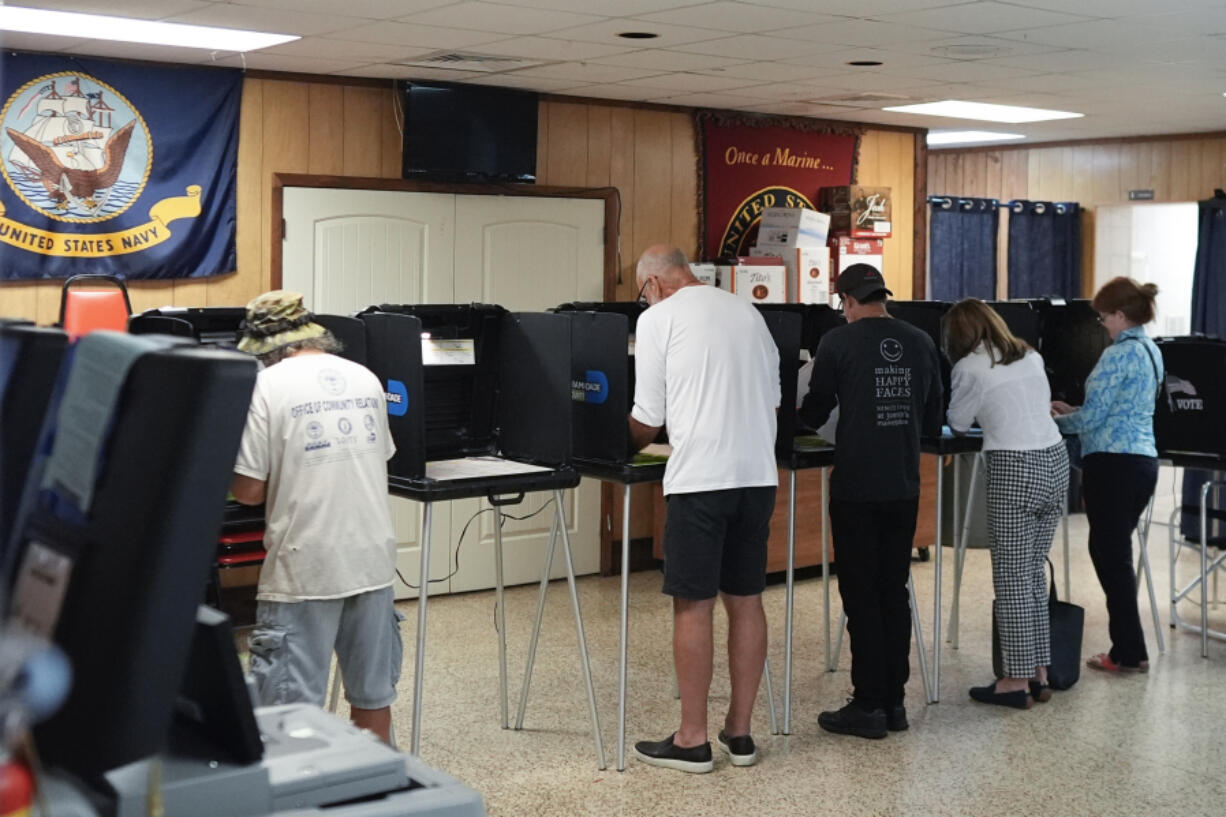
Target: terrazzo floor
[{"x": 1130, "y": 745}]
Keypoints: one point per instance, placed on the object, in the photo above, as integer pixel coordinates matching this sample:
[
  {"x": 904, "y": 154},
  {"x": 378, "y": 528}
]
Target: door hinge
[{"x": 283, "y": 230}]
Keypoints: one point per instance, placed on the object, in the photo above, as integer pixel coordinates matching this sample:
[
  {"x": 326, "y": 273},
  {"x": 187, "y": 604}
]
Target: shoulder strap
[{"x": 1152, "y": 362}]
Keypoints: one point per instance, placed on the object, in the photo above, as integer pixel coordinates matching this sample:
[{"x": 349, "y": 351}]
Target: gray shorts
[{"x": 292, "y": 644}]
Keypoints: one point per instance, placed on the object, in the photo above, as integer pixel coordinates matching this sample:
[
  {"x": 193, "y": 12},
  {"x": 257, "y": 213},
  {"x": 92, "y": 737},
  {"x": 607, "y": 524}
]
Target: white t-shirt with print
[
  {"x": 317, "y": 434},
  {"x": 707, "y": 368}
]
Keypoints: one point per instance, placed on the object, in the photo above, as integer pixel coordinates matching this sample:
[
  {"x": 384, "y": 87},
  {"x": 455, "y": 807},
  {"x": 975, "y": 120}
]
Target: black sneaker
[
  {"x": 665, "y": 753},
  {"x": 740, "y": 750},
  {"x": 896, "y": 718},
  {"x": 852, "y": 720}
]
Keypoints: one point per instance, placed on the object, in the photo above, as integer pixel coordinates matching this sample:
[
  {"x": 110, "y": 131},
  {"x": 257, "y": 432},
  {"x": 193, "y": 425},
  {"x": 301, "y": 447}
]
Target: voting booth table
[
  {"x": 1190, "y": 431},
  {"x": 479, "y": 405},
  {"x": 112, "y": 545}
]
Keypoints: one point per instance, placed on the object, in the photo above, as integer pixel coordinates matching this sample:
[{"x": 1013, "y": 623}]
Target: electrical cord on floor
[{"x": 502, "y": 517}]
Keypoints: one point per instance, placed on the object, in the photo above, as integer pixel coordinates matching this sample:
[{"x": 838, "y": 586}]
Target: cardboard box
[
  {"x": 808, "y": 271},
  {"x": 761, "y": 280},
  {"x": 791, "y": 237},
  {"x": 846, "y": 251},
  {"x": 857, "y": 210},
  {"x": 707, "y": 273},
  {"x": 810, "y": 226}
]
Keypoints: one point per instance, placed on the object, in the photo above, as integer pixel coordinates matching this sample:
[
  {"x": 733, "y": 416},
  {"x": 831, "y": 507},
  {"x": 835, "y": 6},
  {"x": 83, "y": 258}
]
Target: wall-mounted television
[{"x": 468, "y": 133}]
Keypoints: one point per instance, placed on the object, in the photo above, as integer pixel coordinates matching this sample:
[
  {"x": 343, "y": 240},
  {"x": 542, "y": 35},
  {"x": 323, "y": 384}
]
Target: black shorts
[{"x": 715, "y": 542}]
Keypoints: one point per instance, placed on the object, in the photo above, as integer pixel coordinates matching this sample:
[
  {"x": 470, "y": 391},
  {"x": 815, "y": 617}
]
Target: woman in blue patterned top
[{"x": 1119, "y": 460}]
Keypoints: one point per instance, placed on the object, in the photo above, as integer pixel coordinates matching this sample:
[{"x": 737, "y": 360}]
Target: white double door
[{"x": 348, "y": 249}]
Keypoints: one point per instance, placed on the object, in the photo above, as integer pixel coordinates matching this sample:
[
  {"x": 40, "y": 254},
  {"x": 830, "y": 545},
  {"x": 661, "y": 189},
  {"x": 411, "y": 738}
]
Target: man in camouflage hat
[{"x": 315, "y": 451}]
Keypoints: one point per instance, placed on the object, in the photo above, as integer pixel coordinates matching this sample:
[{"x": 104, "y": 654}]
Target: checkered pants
[{"x": 1026, "y": 493}]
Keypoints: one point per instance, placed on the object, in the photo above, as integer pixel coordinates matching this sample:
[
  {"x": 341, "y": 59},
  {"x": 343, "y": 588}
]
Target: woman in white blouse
[{"x": 1000, "y": 382}]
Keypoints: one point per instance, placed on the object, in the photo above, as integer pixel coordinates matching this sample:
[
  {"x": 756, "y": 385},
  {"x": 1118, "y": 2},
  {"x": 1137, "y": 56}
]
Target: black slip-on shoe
[
  {"x": 695, "y": 759},
  {"x": 852, "y": 720},
  {"x": 896, "y": 718},
  {"x": 1018, "y": 699},
  {"x": 1040, "y": 692},
  {"x": 740, "y": 750}
]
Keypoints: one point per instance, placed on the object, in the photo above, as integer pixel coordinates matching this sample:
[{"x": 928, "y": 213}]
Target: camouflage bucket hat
[{"x": 277, "y": 319}]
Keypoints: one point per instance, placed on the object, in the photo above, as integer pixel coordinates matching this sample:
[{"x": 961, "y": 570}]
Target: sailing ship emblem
[{"x": 74, "y": 148}]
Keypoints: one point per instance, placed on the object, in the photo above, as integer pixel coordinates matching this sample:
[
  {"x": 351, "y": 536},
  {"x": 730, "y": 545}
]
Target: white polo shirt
[
  {"x": 707, "y": 368},
  {"x": 317, "y": 434}
]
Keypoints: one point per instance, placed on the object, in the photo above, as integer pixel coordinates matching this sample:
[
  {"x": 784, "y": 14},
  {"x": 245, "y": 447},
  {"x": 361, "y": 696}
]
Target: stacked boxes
[
  {"x": 857, "y": 211},
  {"x": 797, "y": 237}
]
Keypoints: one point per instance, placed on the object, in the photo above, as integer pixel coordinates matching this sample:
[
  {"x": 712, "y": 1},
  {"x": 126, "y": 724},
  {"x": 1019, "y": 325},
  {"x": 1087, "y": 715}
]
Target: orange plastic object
[{"x": 88, "y": 309}]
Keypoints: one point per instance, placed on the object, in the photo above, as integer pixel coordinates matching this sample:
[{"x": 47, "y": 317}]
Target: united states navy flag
[{"x": 117, "y": 168}]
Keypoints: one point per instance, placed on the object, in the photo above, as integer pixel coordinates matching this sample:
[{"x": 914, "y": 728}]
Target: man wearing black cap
[{"x": 884, "y": 376}]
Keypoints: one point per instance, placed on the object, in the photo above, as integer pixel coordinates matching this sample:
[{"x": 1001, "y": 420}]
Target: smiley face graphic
[{"x": 891, "y": 350}]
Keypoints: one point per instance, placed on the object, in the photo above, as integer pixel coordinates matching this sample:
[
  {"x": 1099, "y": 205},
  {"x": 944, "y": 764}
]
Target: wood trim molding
[
  {"x": 1114, "y": 140},
  {"x": 610, "y": 196},
  {"x": 919, "y": 224}
]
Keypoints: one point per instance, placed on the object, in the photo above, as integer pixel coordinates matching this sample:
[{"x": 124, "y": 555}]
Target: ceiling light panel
[
  {"x": 965, "y": 137},
  {"x": 128, "y": 30},
  {"x": 983, "y": 111}
]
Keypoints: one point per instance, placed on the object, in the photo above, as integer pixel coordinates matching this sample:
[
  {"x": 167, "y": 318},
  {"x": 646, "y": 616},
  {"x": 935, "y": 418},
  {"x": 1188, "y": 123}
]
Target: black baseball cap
[{"x": 861, "y": 280}]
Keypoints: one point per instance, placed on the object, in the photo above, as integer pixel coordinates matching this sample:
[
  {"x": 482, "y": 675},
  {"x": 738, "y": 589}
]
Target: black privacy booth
[
  {"x": 479, "y": 405},
  {"x": 112, "y": 544},
  {"x": 1190, "y": 432},
  {"x": 29, "y": 362}
]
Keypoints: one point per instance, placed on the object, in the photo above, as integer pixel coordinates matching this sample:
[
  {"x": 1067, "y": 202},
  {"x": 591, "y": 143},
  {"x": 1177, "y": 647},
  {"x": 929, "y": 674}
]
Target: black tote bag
[{"x": 1067, "y": 622}]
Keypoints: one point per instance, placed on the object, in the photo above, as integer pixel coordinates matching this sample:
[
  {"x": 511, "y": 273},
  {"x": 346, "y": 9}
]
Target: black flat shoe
[
  {"x": 1018, "y": 699},
  {"x": 665, "y": 753},
  {"x": 1040, "y": 692}
]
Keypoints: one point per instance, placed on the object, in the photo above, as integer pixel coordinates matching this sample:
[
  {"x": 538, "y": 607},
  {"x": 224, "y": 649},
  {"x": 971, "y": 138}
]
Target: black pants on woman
[{"x": 1117, "y": 488}]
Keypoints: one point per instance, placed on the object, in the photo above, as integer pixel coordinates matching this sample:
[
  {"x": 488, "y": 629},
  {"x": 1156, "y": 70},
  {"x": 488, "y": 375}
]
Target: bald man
[{"x": 707, "y": 368}]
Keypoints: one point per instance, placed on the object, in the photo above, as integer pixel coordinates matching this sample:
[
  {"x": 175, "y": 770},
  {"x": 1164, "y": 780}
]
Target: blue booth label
[
  {"x": 593, "y": 388},
  {"x": 397, "y": 398}
]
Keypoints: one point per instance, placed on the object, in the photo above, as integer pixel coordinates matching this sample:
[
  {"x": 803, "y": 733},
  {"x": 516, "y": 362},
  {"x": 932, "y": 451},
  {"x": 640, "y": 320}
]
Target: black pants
[
  {"x": 872, "y": 542},
  {"x": 1117, "y": 488}
]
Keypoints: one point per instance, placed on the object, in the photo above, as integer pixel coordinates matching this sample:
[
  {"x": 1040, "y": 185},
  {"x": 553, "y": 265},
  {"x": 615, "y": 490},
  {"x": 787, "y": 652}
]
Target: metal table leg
[
  {"x": 919, "y": 641},
  {"x": 625, "y": 630},
  {"x": 936, "y": 619},
  {"x": 583, "y": 653},
  {"x": 1143, "y": 565},
  {"x": 790, "y": 599},
  {"x": 501, "y": 620},
  {"x": 960, "y": 553},
  {"x": 423, "y": 595},
  {"x": 770, "y": 695},
  {"x": 546, "y": 567}
]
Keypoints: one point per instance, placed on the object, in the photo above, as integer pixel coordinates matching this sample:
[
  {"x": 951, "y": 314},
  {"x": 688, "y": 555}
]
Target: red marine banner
[{"x": 747, "y": 164}]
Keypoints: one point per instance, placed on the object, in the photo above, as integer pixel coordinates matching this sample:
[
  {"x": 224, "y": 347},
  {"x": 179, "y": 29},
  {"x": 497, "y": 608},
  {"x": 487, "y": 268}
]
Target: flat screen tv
[{"x": 468, "y": 133}]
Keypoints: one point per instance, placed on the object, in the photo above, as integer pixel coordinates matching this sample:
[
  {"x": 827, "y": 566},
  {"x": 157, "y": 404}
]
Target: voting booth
[{"x": 479, "y": 405}]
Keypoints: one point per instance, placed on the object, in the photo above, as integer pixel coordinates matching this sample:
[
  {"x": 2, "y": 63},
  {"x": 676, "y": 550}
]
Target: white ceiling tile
[
  {"x": 967, "y": 72},
  {"x": 711, "y": 100},
  {"x": 855, "y": 8},
  {"x": 733, "y": 16},
  {"x": 141, "y": 9},
  {"x": 372, "y": 9},
  {"x": 977, "y": 47},
  {"x": 1108, "y": 36},
  {"x": 768, "y": 71},
  {"x": 386, "y": 71},
  {"x": 691, "y": 82},
  {"x": 606, "y": 8},
  {"x": 861, "y": 33},
  {"x": 355, "y": 53},
  {"x": 227, "y": 15},
  {"x": 1114, "y": 8},
  {"x": 607, "y": 31},
  {"x": 1077, "y": 59},
  {"x": 1204, "y": 21},
  {"x": 752, "y": 46},
  {"x": 837, "y": 60},
  {"x": 541, "y": 84},
  {"x": 627, "y": 92},
  {"x": 418, "y": 36},
  {"x": 665, "y": 60},
  {"x": 38, "y": 42},
  {"x": 138, "y": 51},
  {"x": 547, "y": 48},
  {"x": 1210, "y": 50},
  {"x": 258, "y": 60},
  {"x": 578, "y": 72},
  {"x": 982, "y": 18},
  {"x": 482, "y": 16}
]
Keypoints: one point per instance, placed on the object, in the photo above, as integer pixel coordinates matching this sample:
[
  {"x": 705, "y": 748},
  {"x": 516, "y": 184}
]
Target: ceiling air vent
[{"x": 467, "y": 61}]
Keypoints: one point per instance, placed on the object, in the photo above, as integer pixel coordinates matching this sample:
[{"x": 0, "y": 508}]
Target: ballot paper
[
  {"x": 826, "y": 432},
  {"x": 479, "y": 468},
  {"x": 448, "y": 351}
]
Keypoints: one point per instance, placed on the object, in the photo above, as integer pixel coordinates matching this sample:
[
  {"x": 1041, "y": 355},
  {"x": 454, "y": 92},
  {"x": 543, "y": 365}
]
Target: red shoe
[{"x": 1103, "y": 662}]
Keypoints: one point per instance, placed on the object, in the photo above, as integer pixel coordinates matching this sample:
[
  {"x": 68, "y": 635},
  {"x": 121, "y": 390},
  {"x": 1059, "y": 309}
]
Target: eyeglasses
[
  {"x": 839, "y": 308},
  {"x": 641, "y": 300}
]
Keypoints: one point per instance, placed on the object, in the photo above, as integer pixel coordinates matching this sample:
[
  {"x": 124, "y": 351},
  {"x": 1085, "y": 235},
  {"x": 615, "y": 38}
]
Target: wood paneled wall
[
  {"x": 651, "y": 156},
  {"x": 284, "y": 127},
  {"x": 1092, "y": 174}
]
